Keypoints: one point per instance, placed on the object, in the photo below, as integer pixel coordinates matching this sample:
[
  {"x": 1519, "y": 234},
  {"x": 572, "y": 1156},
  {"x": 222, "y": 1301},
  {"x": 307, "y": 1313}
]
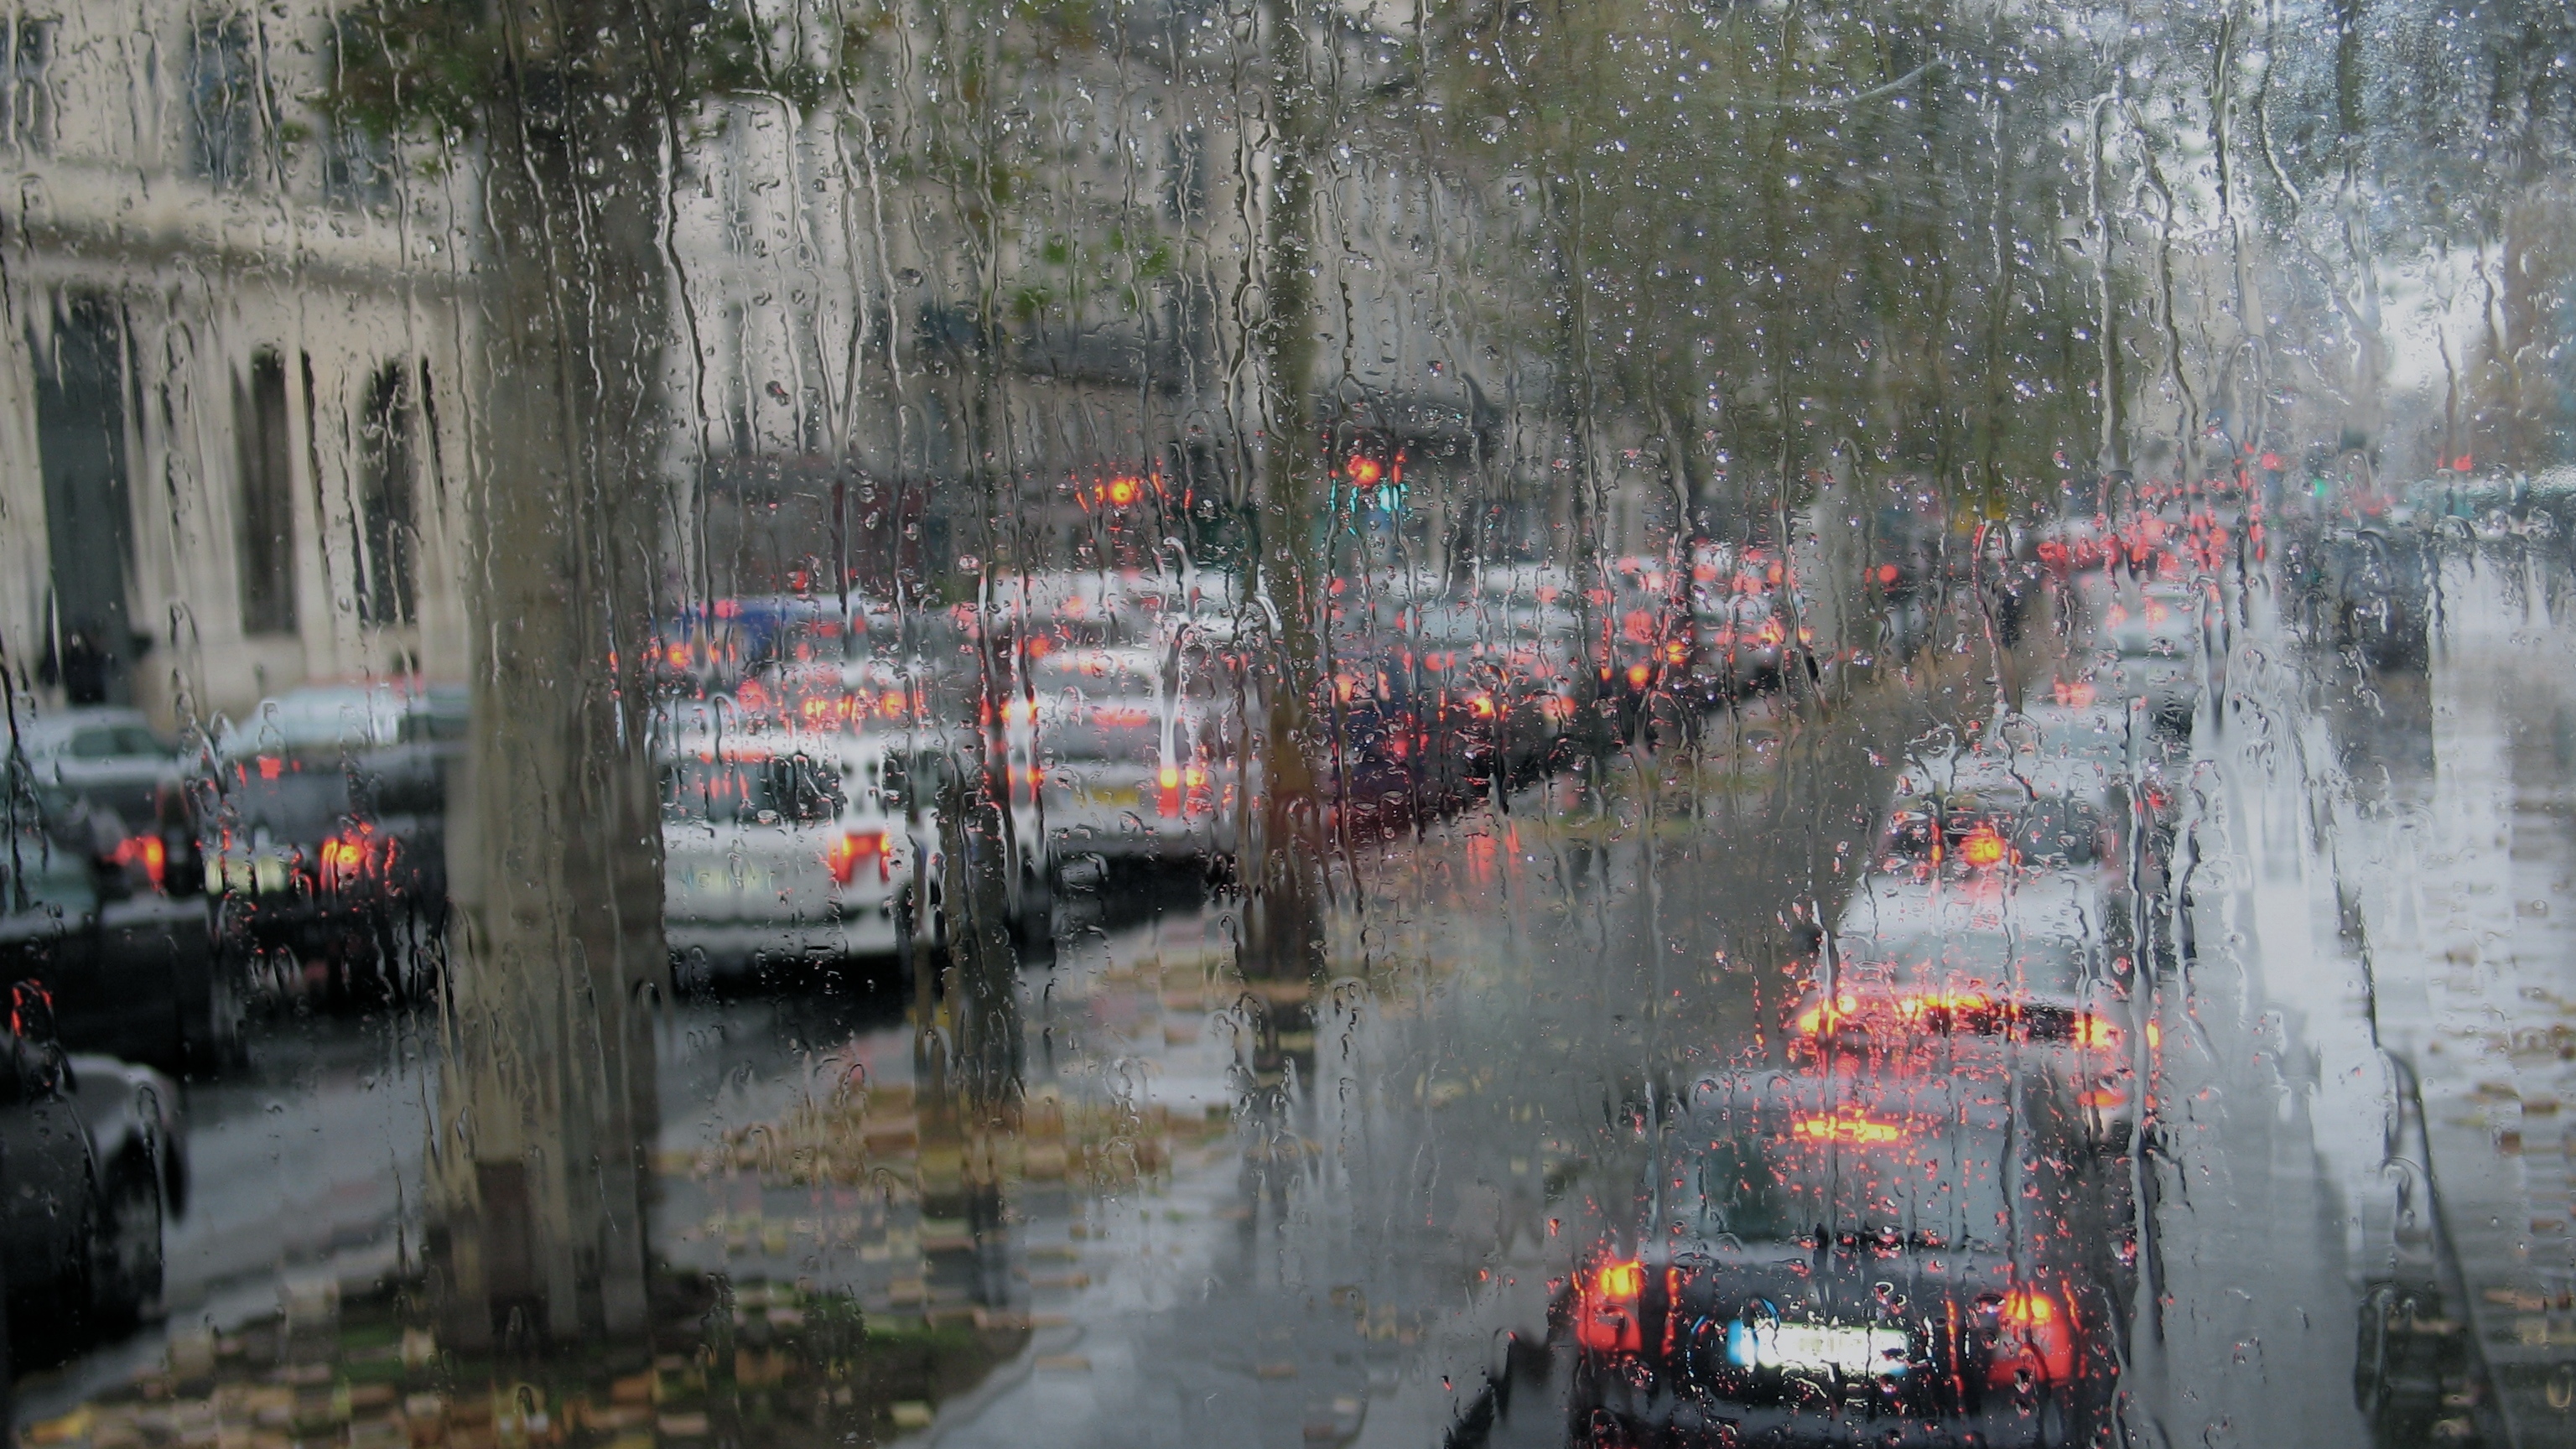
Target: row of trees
[{"x": 1727, "y": 254}]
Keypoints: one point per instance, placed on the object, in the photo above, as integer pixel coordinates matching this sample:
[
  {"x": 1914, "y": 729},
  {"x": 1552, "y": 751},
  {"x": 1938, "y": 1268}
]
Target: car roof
[{"x": 55, "y": 726}]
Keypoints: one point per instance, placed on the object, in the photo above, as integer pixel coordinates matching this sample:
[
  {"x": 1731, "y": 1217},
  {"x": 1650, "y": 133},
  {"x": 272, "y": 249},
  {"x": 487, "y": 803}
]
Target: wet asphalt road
[{"x": 1333, "y": 1257}]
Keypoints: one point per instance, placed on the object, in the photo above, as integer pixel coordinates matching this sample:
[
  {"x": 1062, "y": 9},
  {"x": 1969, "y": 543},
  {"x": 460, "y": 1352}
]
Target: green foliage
[
  {"x": 1795, "y": 232},
  {"x": 414, "y": 68}
]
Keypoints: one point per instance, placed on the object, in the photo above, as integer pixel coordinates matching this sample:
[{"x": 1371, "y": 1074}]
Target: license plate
[
  {"x": 725, "y": 880},
  {"x": 1114, "y": 799},
  {"x": 1816, "y": 1348}
]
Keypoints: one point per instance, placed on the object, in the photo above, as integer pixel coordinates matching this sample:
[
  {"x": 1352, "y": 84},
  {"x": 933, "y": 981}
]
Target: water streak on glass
[{"x": 738, "y": 724}]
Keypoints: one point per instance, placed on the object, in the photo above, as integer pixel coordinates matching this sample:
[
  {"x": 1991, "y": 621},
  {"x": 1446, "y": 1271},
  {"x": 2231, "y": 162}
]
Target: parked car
[
  {"x": 94, "y": 1155},
  {"x": 108, "y": 924},
  {"x": 104, "y": 754}
]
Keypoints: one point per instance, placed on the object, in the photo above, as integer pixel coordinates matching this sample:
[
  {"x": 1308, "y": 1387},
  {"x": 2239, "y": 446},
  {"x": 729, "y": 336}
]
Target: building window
[
  {"x": 223, "y": 100},
  {"x": 266, "y": 537},
  {"x": 388, "y": 527},
  {"x": 81, "y": 396},
  {"x": 26, "y": 102}
]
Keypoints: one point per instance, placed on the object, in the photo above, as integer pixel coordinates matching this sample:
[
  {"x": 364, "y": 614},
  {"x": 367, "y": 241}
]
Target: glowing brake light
[
  {"x": 1169, "y": 777},
  {"x": 1606, "y": 1311},
  {"x": 1638, "y": 674},
  {"x": 1983, "y": 847},
  {"x": 146, "y": 851},
  {"x": 859, "y": 845},
  {"x": 1481, "y": 705},
  {"x": 2092, "y": 1031},
  {"x": 349, "y": 859},
  {"x": 2033, "y": 1336}
]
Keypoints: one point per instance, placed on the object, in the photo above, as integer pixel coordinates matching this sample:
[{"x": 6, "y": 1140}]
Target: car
[
  {"x": 1119, "y": 756},
  {"x": 332, "y": 720},
  {"x": 328, "y": 867},
  {"x": 2076, "y": 743},
  {"x": 1134, "y": 777},
  {"x": 1907, "y": 1246},
  {"x": 107, "y": 923},
  {"x": 1990, "y": 917},
  {"x": 108, "y": 755},
  {"x": 95, "y": 1155},
  {"x": 1744, "y": 612},
  {"x": 791, "y": 853},
  {"x": 2149, "y": 646}
]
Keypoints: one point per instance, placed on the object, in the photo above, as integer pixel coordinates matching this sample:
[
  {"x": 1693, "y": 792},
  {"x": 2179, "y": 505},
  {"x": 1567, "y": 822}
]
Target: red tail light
[
  {"x": 854, "y": 849},
  {"x": 146, "y": 851},
  {"x": 350, "y": 860},
  {"x": 1606, "y": 1306},
  {"x": 2034, "y": 1335}
]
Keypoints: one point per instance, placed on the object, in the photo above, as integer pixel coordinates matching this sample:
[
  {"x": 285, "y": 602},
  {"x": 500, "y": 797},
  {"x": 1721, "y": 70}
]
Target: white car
[
  {"x": 1118, "y": 760},
  {"x": 789, "y": 852},
  {"x": 2150, "y": 645},
  {"x": 109, "y": 756},
  {"x": 1990, "y": 924},
  {"x": 2075, "y": 746}
]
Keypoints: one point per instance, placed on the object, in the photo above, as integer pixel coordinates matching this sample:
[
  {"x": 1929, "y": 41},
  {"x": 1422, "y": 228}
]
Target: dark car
[
  {"x": 329, "y": 871},
  {"x": 1907, "y": 1246},
  {"x": 92, "y": 1162},
  {"x": 106, "y": 923}
]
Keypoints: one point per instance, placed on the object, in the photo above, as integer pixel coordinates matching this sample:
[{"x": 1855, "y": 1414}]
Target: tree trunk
[
  {"x": 1283, "y": 878},
  {"x": 546, "y": 1109}
]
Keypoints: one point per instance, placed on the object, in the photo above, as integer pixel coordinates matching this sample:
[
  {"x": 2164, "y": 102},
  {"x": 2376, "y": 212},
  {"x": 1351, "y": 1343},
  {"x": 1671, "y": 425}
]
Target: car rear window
[
  {"x": 1893, "y": 1171},
  {"x": 2032, "y": 963},
  {"x": 787, "y": 790}
]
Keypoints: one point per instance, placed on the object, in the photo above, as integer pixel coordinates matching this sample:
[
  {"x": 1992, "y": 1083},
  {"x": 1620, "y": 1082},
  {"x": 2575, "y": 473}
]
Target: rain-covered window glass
[
  {"x": 739, "y": 724},
  {"x": 221, "y": 97},
  {"x": 28, "y": 104}
]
